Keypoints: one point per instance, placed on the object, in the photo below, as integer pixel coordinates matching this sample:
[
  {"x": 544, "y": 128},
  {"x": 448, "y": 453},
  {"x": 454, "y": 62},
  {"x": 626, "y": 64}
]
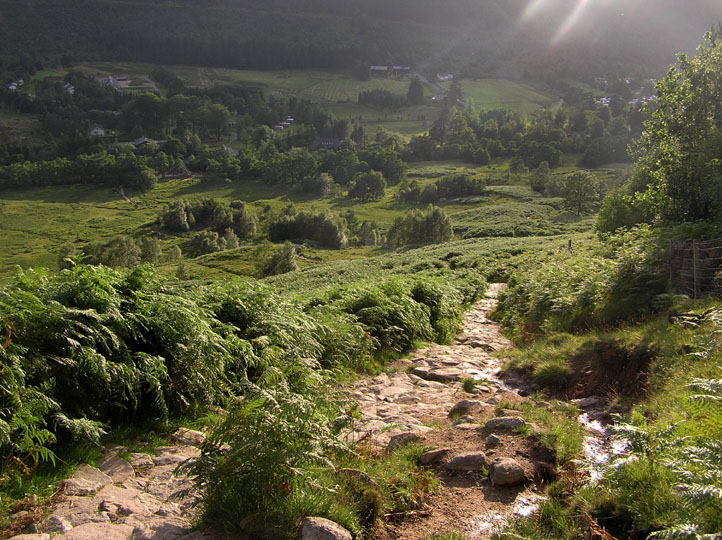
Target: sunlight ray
[{"x": 570, "y": 21}]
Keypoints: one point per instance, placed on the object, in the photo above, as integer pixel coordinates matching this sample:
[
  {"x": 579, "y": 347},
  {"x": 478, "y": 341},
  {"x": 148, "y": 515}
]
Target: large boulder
[
  {"x": 316, "y": 528},
  {"x": 506, "y": 472}
]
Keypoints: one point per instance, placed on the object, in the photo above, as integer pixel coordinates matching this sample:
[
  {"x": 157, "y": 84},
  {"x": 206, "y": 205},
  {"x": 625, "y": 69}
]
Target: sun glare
[{"x": 570, "y": 21}]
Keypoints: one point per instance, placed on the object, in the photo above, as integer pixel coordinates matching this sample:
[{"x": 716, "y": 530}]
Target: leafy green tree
[
  {"x": 679, "y": 170},
  {"x": 282, "y": 261},
  {"x": 203, "y": 242},
  {"x": 150, "y": 251},
  {"x": 540, "y": 177},
  {"x": 416, "y": 227},
  {"x": 369, "y": 186},
  {"x": 415, "y": 93},
  {"x": 580, "y": 191}
]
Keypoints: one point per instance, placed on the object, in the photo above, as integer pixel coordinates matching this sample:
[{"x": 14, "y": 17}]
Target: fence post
[{"x": 695, "y": 267}]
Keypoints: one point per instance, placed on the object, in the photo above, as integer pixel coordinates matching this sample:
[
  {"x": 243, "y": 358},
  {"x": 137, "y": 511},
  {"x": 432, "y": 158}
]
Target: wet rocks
[
  {"x": 506, "y": 472},
  {"x": 316, "y": 528}
]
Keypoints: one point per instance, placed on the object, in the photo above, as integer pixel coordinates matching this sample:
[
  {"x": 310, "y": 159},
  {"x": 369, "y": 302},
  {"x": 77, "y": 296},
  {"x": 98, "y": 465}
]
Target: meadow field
[{"x": 78, "y": 215}]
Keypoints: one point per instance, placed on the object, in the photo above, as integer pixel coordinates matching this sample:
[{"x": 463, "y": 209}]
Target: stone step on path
[
  {"x": 135, "y": 498},
  {"x": 406, "y": 401}
]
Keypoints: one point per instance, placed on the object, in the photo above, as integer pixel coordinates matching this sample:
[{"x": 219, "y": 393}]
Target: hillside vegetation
[{"x": 476, "y": 38}]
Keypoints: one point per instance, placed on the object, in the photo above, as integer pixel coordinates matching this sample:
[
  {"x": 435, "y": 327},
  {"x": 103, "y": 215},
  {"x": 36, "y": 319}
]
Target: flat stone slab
[
  {"x": 116, "y": 467},
  {"x": 445, "y": 375},
  {"x": 466, "y": 426},
  {"x": 86, "y": 480},
  {"x": 98, "y": 531},
  {"x": 141, "y": 461}
]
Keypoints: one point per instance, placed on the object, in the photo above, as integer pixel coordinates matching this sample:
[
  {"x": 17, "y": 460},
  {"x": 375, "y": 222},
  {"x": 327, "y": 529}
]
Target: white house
[{"x": 96, "y": 130}]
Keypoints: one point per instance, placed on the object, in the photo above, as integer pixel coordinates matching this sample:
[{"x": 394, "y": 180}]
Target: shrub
[
  {"x": 324, "y": 228},
  {"x": 431, "y": 226}
]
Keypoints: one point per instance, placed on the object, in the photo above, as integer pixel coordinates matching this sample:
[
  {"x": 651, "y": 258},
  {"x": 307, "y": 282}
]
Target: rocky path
[
  {"x": 487, "y": 469},
  {"x": 135, "y": 497}
]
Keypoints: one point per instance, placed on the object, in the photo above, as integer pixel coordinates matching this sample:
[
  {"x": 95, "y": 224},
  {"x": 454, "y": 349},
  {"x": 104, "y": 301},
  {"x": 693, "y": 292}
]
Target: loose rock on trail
[
  {"x": 135, "y": 497},
  {"x": 424, "y": 402}
]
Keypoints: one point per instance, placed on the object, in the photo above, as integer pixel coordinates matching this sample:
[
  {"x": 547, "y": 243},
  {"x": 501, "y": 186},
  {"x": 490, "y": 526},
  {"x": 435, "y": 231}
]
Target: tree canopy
[{"x": 678, "y": 174}]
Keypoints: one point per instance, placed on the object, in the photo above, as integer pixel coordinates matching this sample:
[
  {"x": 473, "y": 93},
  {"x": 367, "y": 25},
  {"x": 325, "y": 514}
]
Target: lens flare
[
  {"x": 531, "y": 10},
  {"x": 570, "y": 21}
]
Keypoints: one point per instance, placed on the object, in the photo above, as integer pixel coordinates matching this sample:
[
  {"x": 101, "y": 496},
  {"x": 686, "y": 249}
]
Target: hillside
[{"x": 478, "y": 38}]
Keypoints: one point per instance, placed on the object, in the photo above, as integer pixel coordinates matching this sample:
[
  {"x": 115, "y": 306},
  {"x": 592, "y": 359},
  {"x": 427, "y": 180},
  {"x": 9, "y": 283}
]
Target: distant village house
[{"x": 96, "y": 130}]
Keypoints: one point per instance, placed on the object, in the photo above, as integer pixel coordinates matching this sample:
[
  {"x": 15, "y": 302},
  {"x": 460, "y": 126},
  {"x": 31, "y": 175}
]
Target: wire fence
[{"x": 695, "y": 269}]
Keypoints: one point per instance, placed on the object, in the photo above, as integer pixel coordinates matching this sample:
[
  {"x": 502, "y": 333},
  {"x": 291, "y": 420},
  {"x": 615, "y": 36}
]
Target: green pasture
[{"x": 35, "y": 223}]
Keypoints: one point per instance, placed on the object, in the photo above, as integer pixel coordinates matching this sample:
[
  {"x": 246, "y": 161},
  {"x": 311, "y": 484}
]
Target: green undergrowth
[
  {"x": 517, "y": 219},
  {"x": 92, "y": 350},
  {"x": 279, "y": 456},
  {"x": 594, "y": 283},
  {"x": 667, "y": 479}
]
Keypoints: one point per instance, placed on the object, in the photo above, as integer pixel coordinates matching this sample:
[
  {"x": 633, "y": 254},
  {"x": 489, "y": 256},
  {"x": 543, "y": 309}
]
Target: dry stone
[
  {"x": 116, "y": 467},
  {"x": 434, "y": 456},
  {"x": 86, "y": 480},
  {"x": 189, "y": 437},
  {"x": 505, "y": 422},
  {"x": 98, "y": 531},
  {"x": 58, "y": 524},
  {"x": 471, "y": 461},
  {"x": 31, "y": 537},
  {"x": 467, "y": 426},
  {"x": 402, "y": 439},
  {"x": 466, "y": 406},
  {"x": 315, "y": 528},
  {"x": 506, "y": 472},
  {"x": 445, "y": 375}
]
